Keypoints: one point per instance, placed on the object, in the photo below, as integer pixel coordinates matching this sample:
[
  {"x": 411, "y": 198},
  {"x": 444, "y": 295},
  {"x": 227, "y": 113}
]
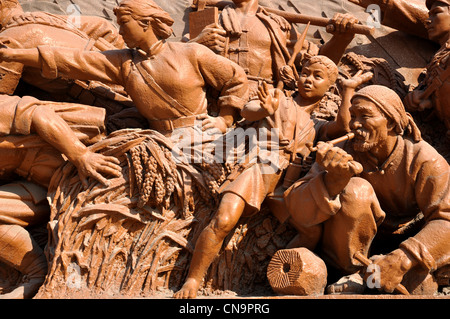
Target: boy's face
[{"x": 314, "y": 81}]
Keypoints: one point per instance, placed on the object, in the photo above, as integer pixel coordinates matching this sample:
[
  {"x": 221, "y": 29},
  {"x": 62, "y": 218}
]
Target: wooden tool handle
[{"x": 297, "y": 18}]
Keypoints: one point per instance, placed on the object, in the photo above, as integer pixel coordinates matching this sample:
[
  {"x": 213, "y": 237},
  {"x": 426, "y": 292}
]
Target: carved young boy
[
  {"x": 244, "y": 195},
  {"x": 387, "y": 182}
]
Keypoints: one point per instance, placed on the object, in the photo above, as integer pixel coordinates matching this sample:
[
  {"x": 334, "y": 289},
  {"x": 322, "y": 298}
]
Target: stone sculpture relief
[{"x": 267, "y": 150}]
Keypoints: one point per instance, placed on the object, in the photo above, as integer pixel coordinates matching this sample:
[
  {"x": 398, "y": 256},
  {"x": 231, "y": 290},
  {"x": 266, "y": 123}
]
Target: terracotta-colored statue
[
  {"x": 35, "y": 135},
  {"x": 29, "y": 29},
  {"x": 386, "y": 182},
  {"x": 261, "y": 42},
  {"x": 433, "y": 91},
  {"x": 167, "y": 81},
  {"x": 245, "y": 193},
  {"x": 405, "y": 15}
]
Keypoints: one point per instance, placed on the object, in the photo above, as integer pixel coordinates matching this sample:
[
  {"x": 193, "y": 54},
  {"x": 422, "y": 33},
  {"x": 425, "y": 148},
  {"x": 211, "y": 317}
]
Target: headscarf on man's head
[
  {"x": 145, "y": 10},
  {"x": 392, "y": 107}
]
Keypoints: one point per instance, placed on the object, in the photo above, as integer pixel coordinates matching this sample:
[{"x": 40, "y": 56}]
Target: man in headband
[{"x": 387, "y": 182}]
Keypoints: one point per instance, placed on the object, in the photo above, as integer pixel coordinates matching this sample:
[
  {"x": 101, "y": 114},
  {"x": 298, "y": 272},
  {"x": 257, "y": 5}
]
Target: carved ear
[{"x": 393, "y": 127}]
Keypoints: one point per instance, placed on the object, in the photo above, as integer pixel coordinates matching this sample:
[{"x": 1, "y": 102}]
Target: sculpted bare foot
[{"x": 189, "y": 289}]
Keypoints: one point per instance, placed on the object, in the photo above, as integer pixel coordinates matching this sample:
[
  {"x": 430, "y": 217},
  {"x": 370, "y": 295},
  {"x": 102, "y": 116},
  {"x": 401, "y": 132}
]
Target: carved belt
[{"x": 172, "y": 124}]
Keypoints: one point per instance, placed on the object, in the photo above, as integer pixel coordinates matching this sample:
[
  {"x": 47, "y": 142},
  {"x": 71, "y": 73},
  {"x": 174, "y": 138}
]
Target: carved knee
[{"x": 360, "y": 197}]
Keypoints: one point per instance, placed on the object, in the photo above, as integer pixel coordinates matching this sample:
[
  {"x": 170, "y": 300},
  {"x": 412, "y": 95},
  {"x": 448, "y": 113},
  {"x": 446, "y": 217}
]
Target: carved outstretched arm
[
  {"x": 104, "y": 66},
  {"x": 55, "y": 131}
]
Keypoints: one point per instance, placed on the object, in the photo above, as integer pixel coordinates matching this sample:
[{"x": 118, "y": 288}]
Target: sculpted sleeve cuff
[
  {"x": 8, "y": 105},
  {"x": 232, "y": 101},
  {"x": 23, "y": 117},
  {"x": 420, "y": 253},
  {"x": 49, "y": 69}
]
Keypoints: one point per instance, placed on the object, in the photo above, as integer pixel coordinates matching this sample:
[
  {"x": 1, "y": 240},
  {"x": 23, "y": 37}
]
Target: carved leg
[
  {"x": 354, "y": 226},
  {"x": 351, "y": 230},
  {"x": 210, "y": 241},
  {"x": 21, "y": 252}
]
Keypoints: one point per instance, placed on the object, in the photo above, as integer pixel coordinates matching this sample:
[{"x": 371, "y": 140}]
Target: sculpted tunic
[
  {"x": 414, "y": 179},
  {"x": 259, "y": 44},
  {"x": 284, "y": 133}
]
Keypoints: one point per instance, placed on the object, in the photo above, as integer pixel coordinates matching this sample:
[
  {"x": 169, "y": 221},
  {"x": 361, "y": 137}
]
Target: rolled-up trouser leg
[{"x": 354, "y": 226}]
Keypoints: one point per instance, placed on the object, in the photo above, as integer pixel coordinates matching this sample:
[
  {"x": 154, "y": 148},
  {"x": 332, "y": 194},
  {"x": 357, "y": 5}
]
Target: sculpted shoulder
[
  {"x": 427, "y": 157},
  {"x": 191, "y": 48}
]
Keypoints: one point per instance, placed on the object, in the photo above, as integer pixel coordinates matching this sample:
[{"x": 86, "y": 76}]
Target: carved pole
[{"x": 296, "y": 17}]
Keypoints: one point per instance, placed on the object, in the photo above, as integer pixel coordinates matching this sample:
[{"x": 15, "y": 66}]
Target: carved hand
[
  {"x": 392, "y": 267},
  {"x": 213, "y": 37},
  {"x": 355, "y": 81},
  {"x": 339, "y": 165},
  {"x": 268, "y": 101},
  {"x": 213, "y": 122},
  {"x": 93, "y": 165},
  {"x": 414, "y": 102}
]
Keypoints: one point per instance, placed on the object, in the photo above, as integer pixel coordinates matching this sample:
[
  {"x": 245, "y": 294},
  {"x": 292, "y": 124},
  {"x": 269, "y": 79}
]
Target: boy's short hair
[{"x": 333, "y": 71}]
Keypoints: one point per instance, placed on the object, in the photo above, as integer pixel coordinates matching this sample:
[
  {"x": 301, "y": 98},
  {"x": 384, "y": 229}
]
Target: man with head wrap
[{"x": 386, "y": 182}]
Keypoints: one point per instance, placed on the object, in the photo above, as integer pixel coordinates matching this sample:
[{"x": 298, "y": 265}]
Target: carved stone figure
[
  {"x": 35, "y": 136},
  {"x": 248, "y": 35},
  {"x": 407, "y": 16},
  {"x": 433, "y": 89},
  {"x": 29, "y": 29},
  {"x": 150, "y": 70},
  {"x": 386, "y": 182},
  {"x": 164, "y": 210},
  {"x": 291, "y": 117}
]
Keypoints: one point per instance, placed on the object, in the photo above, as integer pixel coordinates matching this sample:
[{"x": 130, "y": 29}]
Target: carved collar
[{"x": 154, "y": 49}]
